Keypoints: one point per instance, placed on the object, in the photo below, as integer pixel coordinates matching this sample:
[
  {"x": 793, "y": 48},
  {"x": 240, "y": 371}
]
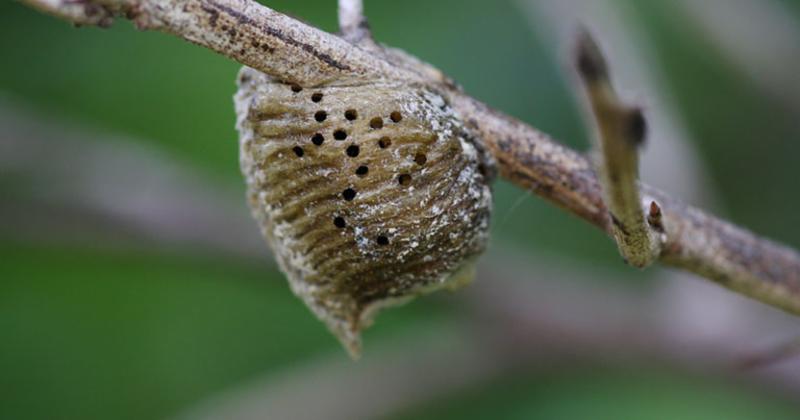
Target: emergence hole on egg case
[
  {"x": 362, "y": 170},
  {"x": 384, "y": 142},
  {"x": 320, "y": 116},
  {"x": 349, "y": 194},
  {"x": 404, "y": 179},
  {"x": 376, "y": 123},
  {"x": 340, "y": 134},
  {"x": 339, "y": 222},
  {"x": 350, "y": 115},
  {"x": 420, "y": 158},
  {"x": 383, "y": 240},
  {"x": 353, "y": 150},
  {"x": 396, "y": 116},
  {"x": 316, "y": 97},
  {"x": 298, "y": 151},
  {"x": 318, "y": 139}
]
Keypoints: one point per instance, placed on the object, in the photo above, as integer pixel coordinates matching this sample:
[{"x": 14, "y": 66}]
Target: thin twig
[
  {"x": 294, "y": 52},
  {"x": 671, "y": 159},
  {"x": 620, "y": 132},
  {"x": 772, "y": 355},
  {"x": 352, "y": 22}
]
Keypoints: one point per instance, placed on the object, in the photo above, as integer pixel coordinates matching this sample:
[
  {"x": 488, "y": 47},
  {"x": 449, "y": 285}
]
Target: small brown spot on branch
[{"x": 213, "y": 15}]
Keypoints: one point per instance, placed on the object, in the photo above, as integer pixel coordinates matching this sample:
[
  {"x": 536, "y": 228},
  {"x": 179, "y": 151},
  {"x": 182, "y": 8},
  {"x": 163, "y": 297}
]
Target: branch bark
[
  {"x": 242, "y": 30},
  {"x": 293, "y": 52}
]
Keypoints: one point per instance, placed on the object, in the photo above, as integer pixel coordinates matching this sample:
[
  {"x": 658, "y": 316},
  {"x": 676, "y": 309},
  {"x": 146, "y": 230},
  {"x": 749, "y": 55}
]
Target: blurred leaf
[
  {"x": 598, "y": 394},
  {"x": 98, "y": 335},
  {"x": 118, "y": 335}
]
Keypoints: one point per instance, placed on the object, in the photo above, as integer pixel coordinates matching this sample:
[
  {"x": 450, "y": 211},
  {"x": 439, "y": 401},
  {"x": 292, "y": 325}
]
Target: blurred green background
[{"x": 124, "y": 327}]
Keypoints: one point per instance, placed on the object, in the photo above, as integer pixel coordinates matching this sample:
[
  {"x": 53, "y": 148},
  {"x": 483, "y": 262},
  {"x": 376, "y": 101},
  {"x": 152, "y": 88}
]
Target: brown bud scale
[{"x": 368, "y": 195}]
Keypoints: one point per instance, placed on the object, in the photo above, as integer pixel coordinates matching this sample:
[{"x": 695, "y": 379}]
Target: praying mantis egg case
[{"x": 368, "y": 194}]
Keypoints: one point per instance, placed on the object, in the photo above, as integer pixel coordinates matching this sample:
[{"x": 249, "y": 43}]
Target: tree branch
[
  {"x": 293, "y": 52},
  {"x": 620, "y": 131},
  {"x": 242, "y": 30}
]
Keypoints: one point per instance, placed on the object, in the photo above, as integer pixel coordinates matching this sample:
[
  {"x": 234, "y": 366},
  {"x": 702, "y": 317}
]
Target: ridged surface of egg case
[{"x": 368, "y": 195}]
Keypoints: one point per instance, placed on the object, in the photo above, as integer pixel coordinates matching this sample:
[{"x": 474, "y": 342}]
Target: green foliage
[{"x": 604, "y": 394}]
